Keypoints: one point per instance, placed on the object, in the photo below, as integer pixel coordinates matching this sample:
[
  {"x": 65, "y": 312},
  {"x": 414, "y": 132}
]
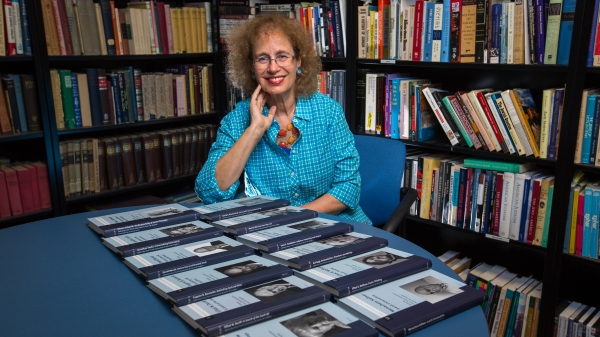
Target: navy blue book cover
[
  {"x": 222, "y": 314},
  {"x": 161, "y": 238},
  {"x": 186, "y": 257},
  {"x": 327, "y": 250},
  {"x": 237, "y": 207},
  {"x": 262, "y": 220},
  {"x": 202, "y": 283},
  {"x": 357, "y": 273},
  {"x": 412, "y": 303},
  {"x": 294, "y": 234}
]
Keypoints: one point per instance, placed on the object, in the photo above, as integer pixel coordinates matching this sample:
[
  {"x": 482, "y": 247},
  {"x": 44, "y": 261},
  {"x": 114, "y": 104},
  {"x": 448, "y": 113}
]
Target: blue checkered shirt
[{"x": 323, "y": 159}]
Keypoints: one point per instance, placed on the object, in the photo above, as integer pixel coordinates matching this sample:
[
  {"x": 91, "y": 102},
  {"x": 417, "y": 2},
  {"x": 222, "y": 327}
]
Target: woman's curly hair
[{"x": 239, "y": 58}]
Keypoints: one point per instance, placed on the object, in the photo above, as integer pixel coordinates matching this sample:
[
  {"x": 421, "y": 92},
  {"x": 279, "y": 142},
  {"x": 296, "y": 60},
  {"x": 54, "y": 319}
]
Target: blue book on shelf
[
  {"x": 202, "y": 283},
  {"x": 114, "y": 83},
  {"x": 504, "y": 34},
  {"x": 76, "y": 100},
  {"x": 590, "y": 55},
  {"x": 130, "y": 88},
  {"x": 495, "y": 96},
  {"x": 524, "y": 206},
  {"x": 595, "y": 125},
  {"x": 109, "y": 34},
  {"x": 595, "y": 217},
  {"x": 566, "y": 31},
  {"x": 496, "y": 30},
  {"x": 455, "y": 190},
  {"x": 395, "y": 107},
  {"x": 424, "y": 298},
  {"x": 428, "y": 35},
  {"x": 557, "y": 106},
  {"x": 474, "y": 196},
  {"x": 540, "y": 30},
  {"x": 590, "y": 112},
  {"x": 20, "y": 103},
  {"x": 446, "y": 32},
  {"x": 25, "y": 29},
  {"x": 94, "y": 93},
  {"x": 124, "y": 94},
  {"x": 389, "y": 92},
  {"x": 460, "y": 203},
  {"x": 587, "y": 218}
]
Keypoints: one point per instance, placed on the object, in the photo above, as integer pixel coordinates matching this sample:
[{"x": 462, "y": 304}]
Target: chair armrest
[{"x": 407, "y": 198}]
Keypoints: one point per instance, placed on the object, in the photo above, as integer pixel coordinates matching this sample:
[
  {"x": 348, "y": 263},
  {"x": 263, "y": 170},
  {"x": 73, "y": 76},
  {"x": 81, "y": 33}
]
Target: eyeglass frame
[{"x": 254, "y": 61}]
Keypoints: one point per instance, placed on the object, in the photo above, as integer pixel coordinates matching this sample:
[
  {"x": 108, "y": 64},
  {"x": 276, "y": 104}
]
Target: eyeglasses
[{"x": 283, "y": 60}]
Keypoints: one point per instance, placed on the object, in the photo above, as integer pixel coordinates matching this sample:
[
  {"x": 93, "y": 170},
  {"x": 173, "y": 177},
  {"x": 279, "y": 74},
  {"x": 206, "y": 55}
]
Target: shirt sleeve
[{"x": 346, "y": 180}]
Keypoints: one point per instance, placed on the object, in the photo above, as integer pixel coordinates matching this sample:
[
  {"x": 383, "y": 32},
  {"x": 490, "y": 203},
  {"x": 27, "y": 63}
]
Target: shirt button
[
  {"x": 296, "y": 195},
  {"x": 292, "y": 174},
  {"x": 293, "y": 151},
  {"x": 295, "y": 120}
]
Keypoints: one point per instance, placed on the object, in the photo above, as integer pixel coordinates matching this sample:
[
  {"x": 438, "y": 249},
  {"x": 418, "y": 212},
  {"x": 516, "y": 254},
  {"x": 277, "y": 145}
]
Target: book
[
  {"x": 420, "y": 300},
  {"x": 498, "y": 165},
  {"x": 222, "y": 314},
  {"x": 294, "y": 234},
  {"x": 326, "y": 250},
  {"x": 143, "y": 219},
  {"x": 177, "y": 259},
  {"x": 269, "y": 218},
  {"x": 364, "y": 271},
  {"x": 161, "y": 238},
  {"x": 234, "y": 208},
  {"x": 221, "y": 278}
]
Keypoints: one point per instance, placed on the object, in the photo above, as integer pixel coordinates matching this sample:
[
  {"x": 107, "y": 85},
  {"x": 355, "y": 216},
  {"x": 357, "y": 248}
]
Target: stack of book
[
  {"x": 219, "y": 284},
  {"x": 97, "y": 97},
  {"x": 507, "y": 200},
  {"x": 14, "y": 29},
  {"x": 24, "y": 188},
  {"x": 576, "y": 319},
  {"x": 490, "y": 31},
  {"x": 333, "y": 84},
  {"x": 19, "y": 111},
  {"x": 95, "y": 165},
  {"x": 143, "y": 27},
  {"x": 513, "y": 303},
  {"x": 587, "y": 150},
  {"x": 459, "y": 265}
]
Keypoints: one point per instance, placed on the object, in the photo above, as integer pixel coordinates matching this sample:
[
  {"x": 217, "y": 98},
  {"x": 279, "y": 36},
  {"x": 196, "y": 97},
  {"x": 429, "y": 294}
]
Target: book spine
[
  {"x": 76, "y": 101},
  {"x": 540, "y": 25},
  {"x": 455, "y": 33},
  {"x": 552, "y": 31},
  {"x": 468, "y": 22},
  {"x": 557, "y": 106},
  {"x": 534, "y": 206},
  {"x": 440, "y": 117},
  {"x": 491, "y": 120}
]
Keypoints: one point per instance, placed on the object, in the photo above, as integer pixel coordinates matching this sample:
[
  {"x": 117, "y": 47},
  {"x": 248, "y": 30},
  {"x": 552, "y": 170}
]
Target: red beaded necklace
[{"x": 286, "y": 137}]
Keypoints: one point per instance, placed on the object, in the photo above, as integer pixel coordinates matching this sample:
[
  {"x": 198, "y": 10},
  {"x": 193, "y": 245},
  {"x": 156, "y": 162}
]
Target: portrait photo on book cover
[
  {"x": 162, "y": 212},
  {"x": 251, "y": 201},
  {"x": 241, "y": 268},
  {"x": 431, "y": 289},
  {"x": 341, "y": 240},
  {"x": 279, "y": 211},
  {"x": 180, "y": 230},
  {"x": 316, "y": 323},
  {"x": 208, "y": 248},
  {"x": 311, "y": 225},
  {"x": 274, "y": 290},
  {"x": 380, "y": 259}
]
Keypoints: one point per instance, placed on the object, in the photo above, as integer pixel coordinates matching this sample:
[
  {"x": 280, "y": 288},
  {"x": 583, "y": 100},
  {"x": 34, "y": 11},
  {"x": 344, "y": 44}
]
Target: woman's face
[
  {"x": 340, "y": 241},
  {"x": 271, "y": 290},
  {"x": 274, "y": 78},
  {"x": 378, "y": 259}
]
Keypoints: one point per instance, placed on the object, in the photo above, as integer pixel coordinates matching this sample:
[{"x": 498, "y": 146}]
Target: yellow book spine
[
  {"x": 191, "y": 92},
  {"x": 541, "y": 216},
  {"x": 58, "y": 106},
  {"x": 530, "y": 137},
  {"x": 574, "y": 220},
  {"x": 175, "y": 30},
  {"x": 545, "y": 124}
]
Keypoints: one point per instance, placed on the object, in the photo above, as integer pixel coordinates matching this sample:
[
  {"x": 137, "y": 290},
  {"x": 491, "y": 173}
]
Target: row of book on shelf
[
  {"x": 512, "y": 304},
  {"x": 574, "y": 319},
  {"x": 95, "y": 97},
  {"x": 19, "y": 111},
  {"x": 506, "y": 200},
  {"x": 484, "y": 31},
  {"x": 15, "y": 38},
  {"x": 143, "y": 27},
  {"x": 95, "y": 165},
  {"x": 325, "y": 22},
  {"x": 581, "y": 228},
  {"x": 24, "y": 188},
  {"x": 587, "y": 150},
  {"x": 272, "y": 268},
  {"x": 403, "y": 107}
]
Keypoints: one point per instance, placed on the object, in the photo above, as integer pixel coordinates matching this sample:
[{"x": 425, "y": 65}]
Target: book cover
[
  {"x": 202, "y": 283},
  {"x": 553, "y": 25},
  {"x": 468, "y": 22},
  {"x": 225, "y": 313},
  {"x": 444, "y": 122},
  {"x": 269, "y": 218},
  {"x": 237, "y": 207},
  {"x": 294, "y": 234},
  {"x": 326, "y": 250},
  {"x": 412, "y": 303},
  {"x": 364, "y": 271},
  {"x": 455, "y": 30},
  {"x": 516, "y": 122},
  {"x": 12, "y": 188},
  {"x": 530, "y": 115},
  {"x": 498, "y": 165},
  {"x": 10, "y": 97},
  {"x": 143, "y": 219},
  {"x": 566, "y": 32}
]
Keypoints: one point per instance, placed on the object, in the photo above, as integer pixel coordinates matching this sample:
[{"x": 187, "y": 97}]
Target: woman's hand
[{"x": 258, "y": 100}]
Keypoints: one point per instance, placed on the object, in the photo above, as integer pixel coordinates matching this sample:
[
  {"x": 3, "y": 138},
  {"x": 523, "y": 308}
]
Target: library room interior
[{"x": 256, "y": 168}]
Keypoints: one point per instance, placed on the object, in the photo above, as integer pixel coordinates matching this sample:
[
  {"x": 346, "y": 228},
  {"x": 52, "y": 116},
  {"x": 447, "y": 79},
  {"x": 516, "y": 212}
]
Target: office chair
[{"x": 381, "y": 170}]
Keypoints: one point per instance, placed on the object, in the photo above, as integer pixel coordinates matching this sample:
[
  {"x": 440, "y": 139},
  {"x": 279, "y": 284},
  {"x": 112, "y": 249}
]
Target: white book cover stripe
[
  {"x": 142, "y": 260},
  {"x": 168, "y": 283},
  {"x": 198, "y": 310},
  {"x": 292, "y": 256},
  {"x": 366, "y": 306},
  {"x": 321, "y": 275},
  {"x": 102, "y": 221},
  {"x": 257, "y": 237},
  {"x": 120, "y": 241}
]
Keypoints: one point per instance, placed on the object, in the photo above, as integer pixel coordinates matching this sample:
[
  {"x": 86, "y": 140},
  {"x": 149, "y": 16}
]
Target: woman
[{"x": 290, "y": 141}]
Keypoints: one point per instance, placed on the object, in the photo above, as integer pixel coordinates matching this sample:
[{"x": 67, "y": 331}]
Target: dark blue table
[{"x": 57, "y": 279}]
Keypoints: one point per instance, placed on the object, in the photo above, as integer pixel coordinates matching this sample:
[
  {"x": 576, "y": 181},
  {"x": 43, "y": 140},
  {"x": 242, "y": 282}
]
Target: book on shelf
[
  {"x": 423, "y": 299},
  {"x": 269, "y": 218},
  {"x": 193, "y": 255},
  {"x": 221, "y": 278},
  {"x": 351, "y": 275},
  {"x": 326, "y": 250},
  {"x": 225, "y": 313},
  {"x": 294, "y": 234},
  {"x": 234, "y": 208},
  {"x": 498, "y": 165},
  {"x": 161, "y": 238}
]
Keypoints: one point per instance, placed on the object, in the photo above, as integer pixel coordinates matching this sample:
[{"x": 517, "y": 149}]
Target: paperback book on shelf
[
  {"x": 161, "y": 238},
  {"x": 368, "y": 270},
  {"x": 237, "y": 207},
  {"x": 221, "y": 278},
  {"x": 181, "y": 258},
  {"x": 141, "y": 219},
  {"x": 323, "y": 320},
  {"x": 264, "y": 219},
  {"x": 412, "y": 303},
  {"x": 326, "y": 250},
  {"x": 294, "y": 234},
  {"x": 222, "y": 314}
]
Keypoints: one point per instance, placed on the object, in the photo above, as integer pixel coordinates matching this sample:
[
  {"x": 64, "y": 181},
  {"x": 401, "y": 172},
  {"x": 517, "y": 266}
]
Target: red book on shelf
[
  {"x": 12, "y": 187},
  {"x": 43, "y": 184},
  {"x": 35, "y": 186},
  {"x": 4, "y": 203},
  {"x": 418, "y": 30},
  {"x": 497, "y": 204},
  {"x": 535, "y": 200},
  {"x": 9, "y": 29},
  {"x": 162, "y": 23},
  {"x": 59, "y": 27},
  {"x": 579, "y": 228},
  {"x": 491, "y": 120},
  {"x": 25, "y": 188}
]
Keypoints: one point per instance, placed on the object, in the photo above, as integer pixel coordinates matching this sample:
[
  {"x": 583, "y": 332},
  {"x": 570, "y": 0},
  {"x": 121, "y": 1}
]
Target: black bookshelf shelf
[
  {"x": 16, "y": 59},
  {"x": 593, "y": 70},
  {"x": 334, "y": 61},
  {"x": 21, "y": 136},
  {"x": 588, "y": 168},
  {"x": 24, "y": 218},
  {"x": 580, "y": 261},
  {"x": 467, "y": 66}
]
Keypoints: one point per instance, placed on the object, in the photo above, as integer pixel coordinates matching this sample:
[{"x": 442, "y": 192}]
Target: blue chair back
[{"x": 381, "y": 169}]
